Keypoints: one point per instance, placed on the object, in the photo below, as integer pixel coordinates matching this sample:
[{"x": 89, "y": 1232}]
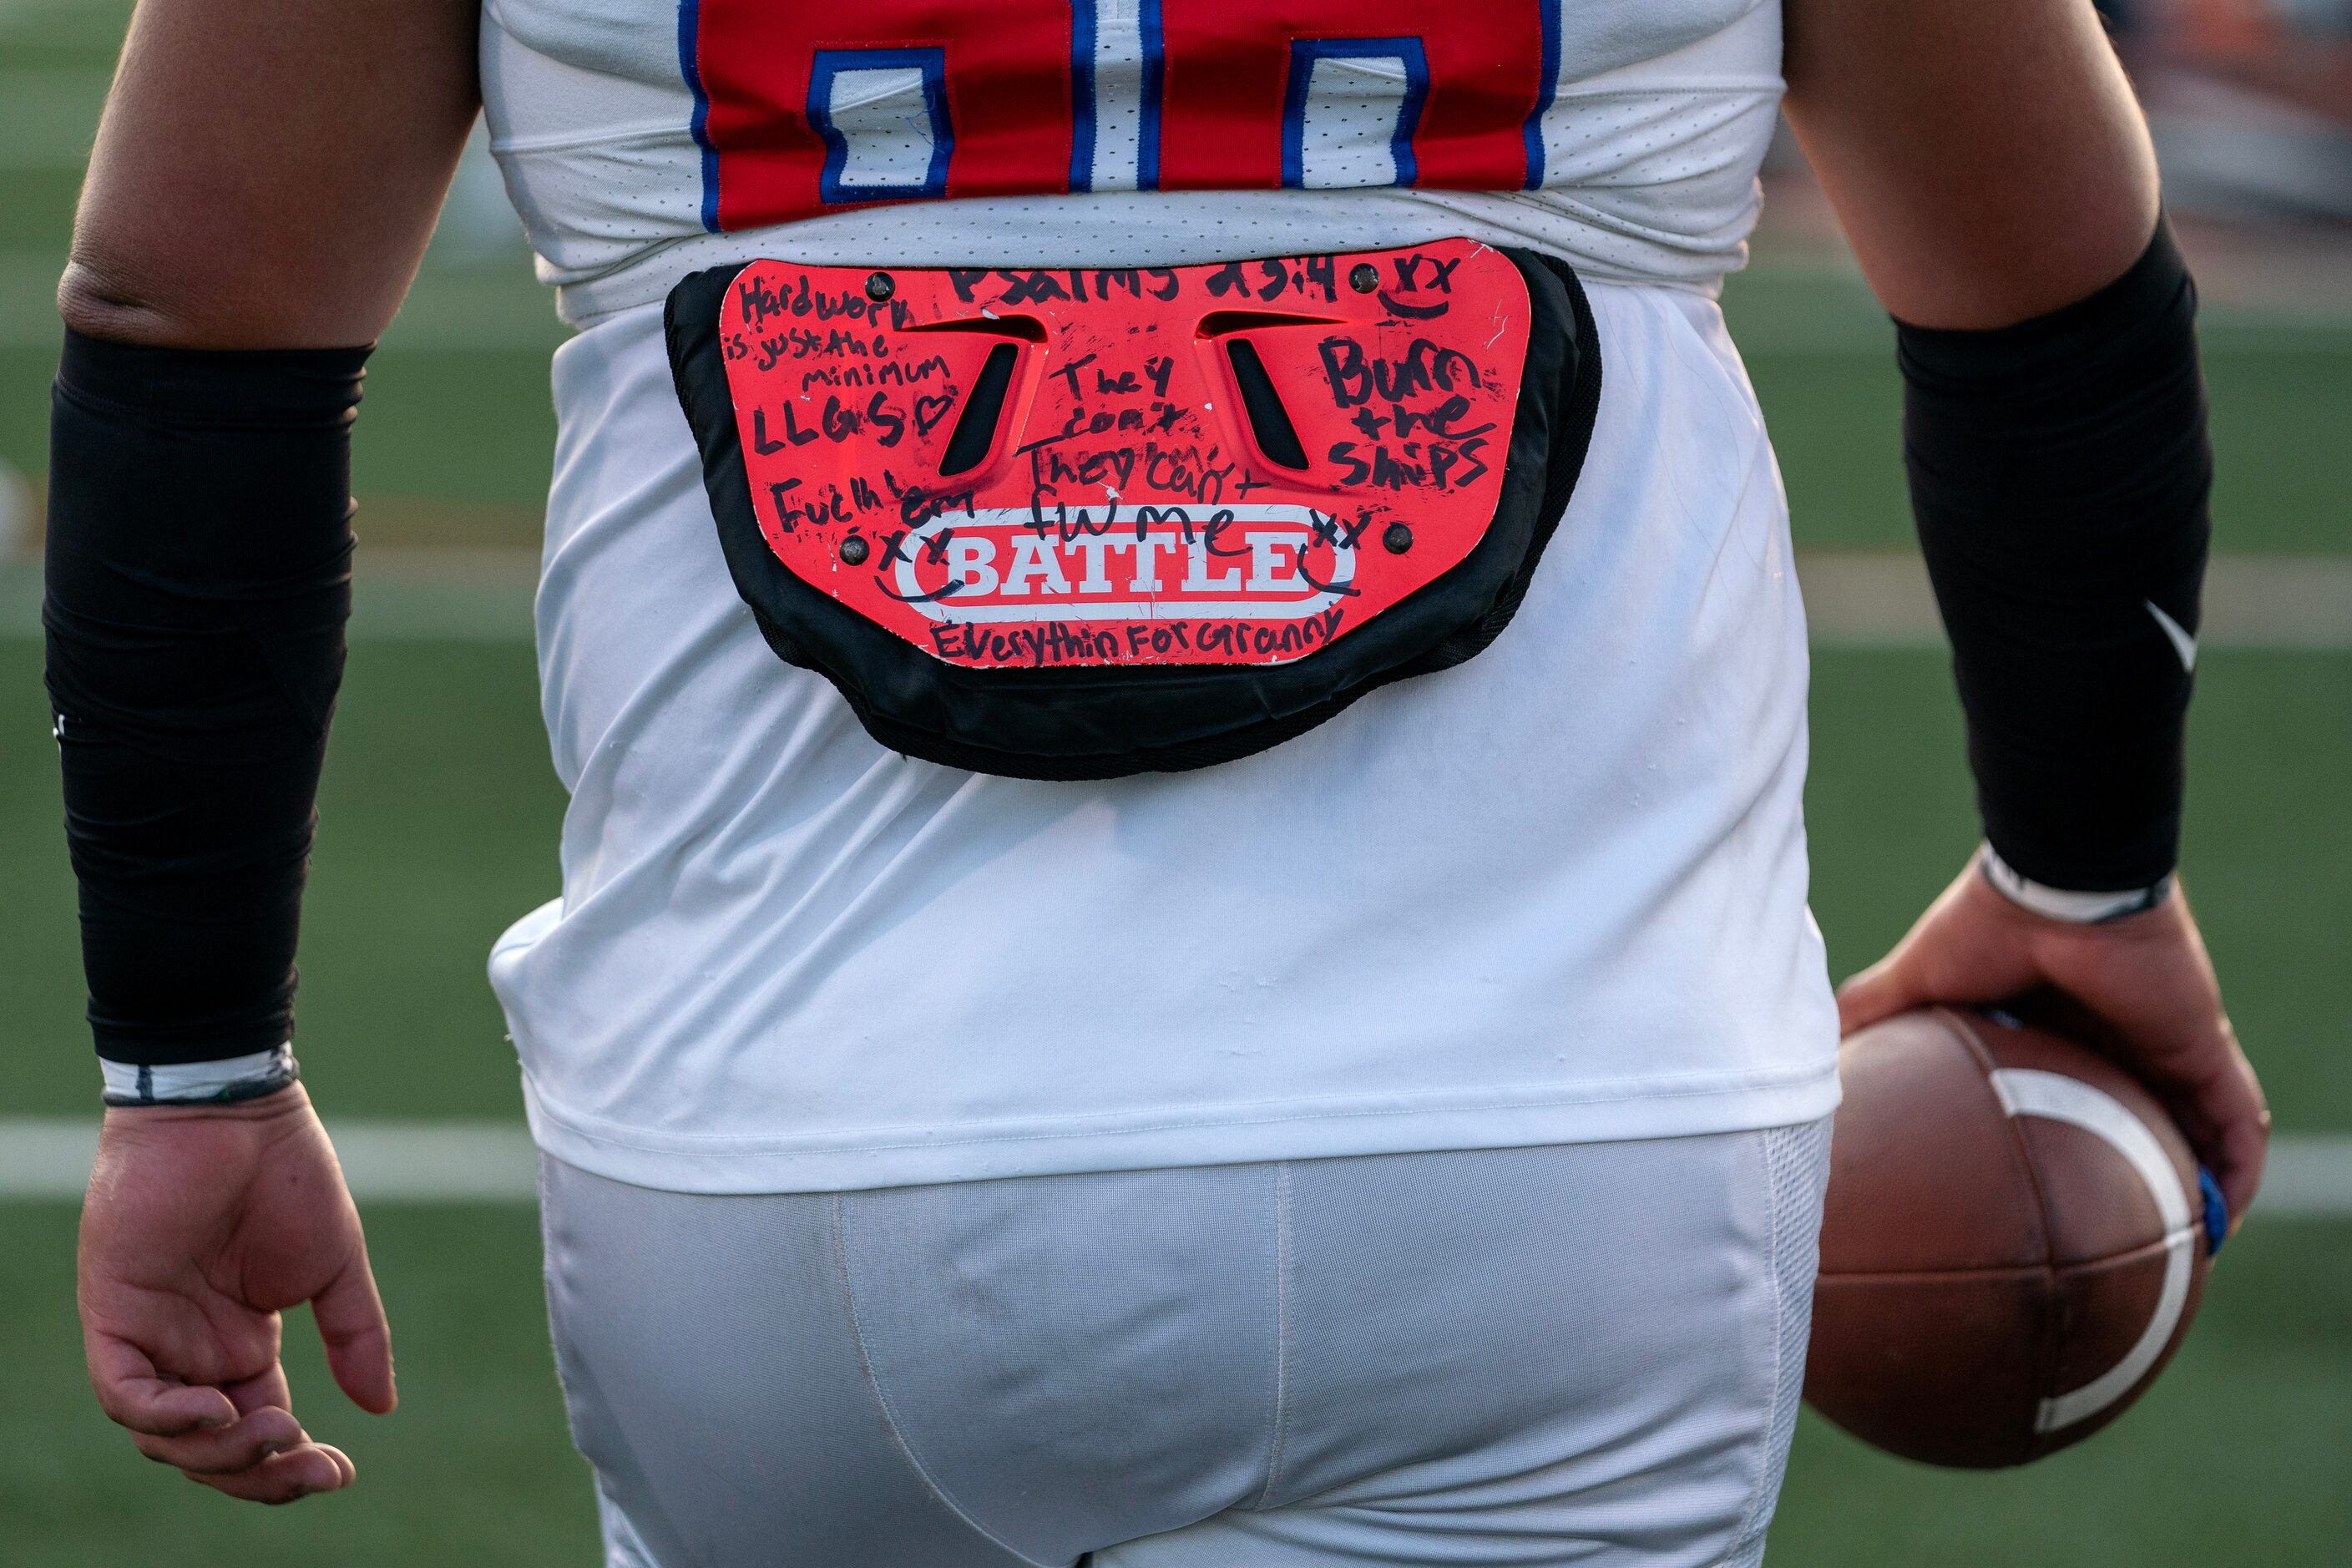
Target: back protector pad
[{"x": 1085, "y": 523}]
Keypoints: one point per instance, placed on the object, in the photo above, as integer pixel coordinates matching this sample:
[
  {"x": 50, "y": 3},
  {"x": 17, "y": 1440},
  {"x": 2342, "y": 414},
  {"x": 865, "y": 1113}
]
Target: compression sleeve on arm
[
  {"x": 198, "y": 580},
  {"x": 2059, "y": 472}
]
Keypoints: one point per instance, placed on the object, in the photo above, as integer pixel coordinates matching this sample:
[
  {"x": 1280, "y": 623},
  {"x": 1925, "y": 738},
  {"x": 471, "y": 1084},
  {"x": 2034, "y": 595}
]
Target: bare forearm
[
  {"x": 1986, "y": 156},
  {"x": 267, "y": 171},
  {"x": 1990, "y": 168}
]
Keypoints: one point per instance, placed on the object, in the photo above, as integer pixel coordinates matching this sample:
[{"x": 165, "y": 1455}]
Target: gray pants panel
[{"x": 1583, "y": 1353}]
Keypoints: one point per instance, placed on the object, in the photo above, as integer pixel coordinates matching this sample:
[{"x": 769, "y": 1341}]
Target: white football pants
[{"x": 1581, "y": 1354}]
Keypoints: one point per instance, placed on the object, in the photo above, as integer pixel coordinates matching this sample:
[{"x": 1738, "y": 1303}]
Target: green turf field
[{"x": 439, "y": 818}]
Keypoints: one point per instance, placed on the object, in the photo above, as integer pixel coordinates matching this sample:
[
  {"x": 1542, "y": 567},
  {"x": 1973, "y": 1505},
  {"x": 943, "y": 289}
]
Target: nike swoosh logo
[{"x": 2182, "y": 643}]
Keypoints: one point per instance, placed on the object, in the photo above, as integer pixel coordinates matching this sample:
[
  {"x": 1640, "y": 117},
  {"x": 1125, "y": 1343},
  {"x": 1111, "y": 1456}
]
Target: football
[{"x": 2013, "y": 1243}]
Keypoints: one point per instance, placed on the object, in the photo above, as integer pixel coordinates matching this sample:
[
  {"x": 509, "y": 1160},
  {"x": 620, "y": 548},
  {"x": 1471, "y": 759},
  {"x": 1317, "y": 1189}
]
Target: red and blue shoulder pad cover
[{"x": 1077, "y": 522}]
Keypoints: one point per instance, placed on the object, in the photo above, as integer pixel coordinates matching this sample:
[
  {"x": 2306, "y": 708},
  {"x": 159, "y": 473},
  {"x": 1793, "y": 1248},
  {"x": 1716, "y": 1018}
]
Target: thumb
[
  {"x": 351, "y": 1320},
  {"x": 1885, "y": 988}
]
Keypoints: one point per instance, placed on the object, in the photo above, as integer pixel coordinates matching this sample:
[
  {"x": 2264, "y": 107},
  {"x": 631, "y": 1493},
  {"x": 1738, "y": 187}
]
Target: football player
[{"x": 1401, "y": 1138}]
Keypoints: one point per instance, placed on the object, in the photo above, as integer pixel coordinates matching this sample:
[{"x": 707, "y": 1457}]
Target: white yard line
[
  {"x": 1880, "y": 599},
  {"x": 386, "y": 1161},
  {"x": 487, "y": 1162},
  {"x": 2308, "y": 1177},
  {"x": 1866, "y": 599}
]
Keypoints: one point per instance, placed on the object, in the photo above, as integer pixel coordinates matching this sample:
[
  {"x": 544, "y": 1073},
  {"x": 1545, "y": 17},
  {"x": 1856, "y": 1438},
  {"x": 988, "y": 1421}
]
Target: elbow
[
  {"x": 107, "y": 302},
  {"x": 194, "y": 303}
]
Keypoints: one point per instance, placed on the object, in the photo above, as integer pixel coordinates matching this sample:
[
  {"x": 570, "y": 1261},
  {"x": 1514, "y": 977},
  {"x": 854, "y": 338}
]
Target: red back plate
[{"x": 1123, "y": 507}]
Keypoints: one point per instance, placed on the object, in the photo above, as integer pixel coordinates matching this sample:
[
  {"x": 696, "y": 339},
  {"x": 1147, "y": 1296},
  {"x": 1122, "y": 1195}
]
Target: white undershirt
[{"x": 1556, "y": 894}]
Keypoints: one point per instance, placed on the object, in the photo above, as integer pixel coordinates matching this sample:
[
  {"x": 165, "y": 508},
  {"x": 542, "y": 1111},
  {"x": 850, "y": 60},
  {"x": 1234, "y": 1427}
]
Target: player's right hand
[
  {"x": 2141, "y": 989},
  {"x": 202, "y": 1224}
]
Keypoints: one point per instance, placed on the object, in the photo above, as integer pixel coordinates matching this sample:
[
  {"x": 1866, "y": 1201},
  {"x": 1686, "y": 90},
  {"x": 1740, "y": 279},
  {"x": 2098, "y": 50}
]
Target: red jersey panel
[
  {"x": 802, "y": 110},
  {"x": 1240, "y": 79},
  {"x": 809, "y": 109}
]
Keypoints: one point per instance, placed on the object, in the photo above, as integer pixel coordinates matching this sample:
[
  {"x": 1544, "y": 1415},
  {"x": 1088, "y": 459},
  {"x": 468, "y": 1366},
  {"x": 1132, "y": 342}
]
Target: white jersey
[{"x": 1556, "y": 894}]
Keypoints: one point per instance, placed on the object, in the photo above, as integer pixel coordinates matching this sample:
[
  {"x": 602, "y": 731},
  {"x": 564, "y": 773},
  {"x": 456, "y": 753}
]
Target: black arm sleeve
[
  {"x": 2060, "y": 472},
  {"x": 199, "y": 577}
]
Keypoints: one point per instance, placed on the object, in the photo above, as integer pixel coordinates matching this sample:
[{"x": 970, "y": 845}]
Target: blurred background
[{"x": 440, "y": 813}]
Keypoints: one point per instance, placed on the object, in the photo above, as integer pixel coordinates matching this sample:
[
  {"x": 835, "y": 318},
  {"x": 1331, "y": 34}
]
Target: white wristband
[
  {"x": 200, "y": 1083},
  {"x": 2058, "y": 904}
]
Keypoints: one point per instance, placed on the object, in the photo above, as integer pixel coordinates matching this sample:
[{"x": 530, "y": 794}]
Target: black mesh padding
[
  {"x": 1277, "y": 437},
  {"x": 975, "y": 429}
]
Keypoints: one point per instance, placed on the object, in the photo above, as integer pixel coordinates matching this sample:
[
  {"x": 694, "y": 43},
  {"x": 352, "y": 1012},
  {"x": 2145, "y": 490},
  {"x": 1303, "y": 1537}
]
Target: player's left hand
[
  {"x": 202, "y": 1224},
  {"x": 2141, "y": 989}
]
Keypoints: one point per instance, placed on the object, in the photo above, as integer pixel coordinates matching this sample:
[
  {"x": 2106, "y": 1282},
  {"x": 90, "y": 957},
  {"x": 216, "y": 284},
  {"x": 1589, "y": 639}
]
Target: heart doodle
[{"x": 929, "y": 411}]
